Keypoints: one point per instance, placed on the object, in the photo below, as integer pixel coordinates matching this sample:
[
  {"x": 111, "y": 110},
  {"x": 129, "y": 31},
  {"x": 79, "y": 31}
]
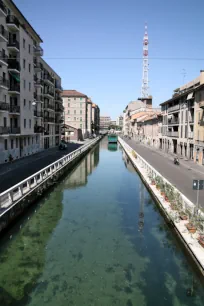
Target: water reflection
[
  {"x": 112, "y": 147},
  {"x": 78, "y": 176}
]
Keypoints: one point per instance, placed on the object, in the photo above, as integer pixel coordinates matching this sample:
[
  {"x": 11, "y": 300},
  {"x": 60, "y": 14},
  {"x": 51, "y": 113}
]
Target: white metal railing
[
  {"x": 172, "y": 134},
  {"x": 173, "y": 108},
  {"x": 187, "y": 205},
  {"x": 190, "y": 135},
  {"x": 15, "y": 193}
]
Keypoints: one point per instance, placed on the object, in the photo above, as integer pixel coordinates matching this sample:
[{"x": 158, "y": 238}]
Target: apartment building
[
  {"x": 76, "y": 108},
  {"x": 182, "y": 125},
  {"x": 95, "y": 118},
  {"x": 119, "y": 121},
  {"x": 105, "y": 122},
  {"x": 48, "y": 108},
  {"x": 19, "y": 43}
]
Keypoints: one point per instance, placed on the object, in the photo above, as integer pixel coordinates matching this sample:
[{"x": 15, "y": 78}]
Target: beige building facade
[{"x": 105, "y": 122}]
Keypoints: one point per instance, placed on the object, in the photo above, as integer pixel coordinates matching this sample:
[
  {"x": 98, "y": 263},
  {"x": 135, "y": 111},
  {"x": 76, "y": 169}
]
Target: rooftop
[{"x": 72, "y": 93}]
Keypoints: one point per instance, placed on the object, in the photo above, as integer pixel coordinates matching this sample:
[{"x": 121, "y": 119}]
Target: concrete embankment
[
  {"x": 15, "y": 200},
  {"x": 190, "y": 240}
]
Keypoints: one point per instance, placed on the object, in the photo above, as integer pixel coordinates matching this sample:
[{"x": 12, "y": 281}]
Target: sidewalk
[
  {"x": 180, "y": 176},
  {"x": 12, "y": 174}
]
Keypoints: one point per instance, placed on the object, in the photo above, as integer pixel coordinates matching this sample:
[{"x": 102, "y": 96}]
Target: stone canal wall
[
  {"x": 15, "y": 200},
  {"x": 180, "y": 212}
]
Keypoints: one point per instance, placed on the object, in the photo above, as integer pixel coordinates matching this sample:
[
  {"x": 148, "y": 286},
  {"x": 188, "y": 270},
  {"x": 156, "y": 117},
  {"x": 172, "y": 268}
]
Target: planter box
[
  {"x": 201, "y": 240},
  {"x": 162, "y": 193},
  {"x": 191, "y": 228},
  {"x": 166, "y": 198},
  {"x": 153, "y": 183}
]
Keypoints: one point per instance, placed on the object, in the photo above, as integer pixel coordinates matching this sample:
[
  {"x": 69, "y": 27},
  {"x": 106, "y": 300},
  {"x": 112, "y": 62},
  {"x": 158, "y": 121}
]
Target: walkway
[
  {"x": 12, "y": 174},
  {"x": 181, "y": 176}
]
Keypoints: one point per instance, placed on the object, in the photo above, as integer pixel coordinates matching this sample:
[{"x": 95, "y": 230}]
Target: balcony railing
[
  {"x": 58, "y": 98},
  {"x": 13, "y": 64},
  {"x": 172, "y": 134},
  {"x": 14, "y": 109},
  {"x": 38, "y": 81},
  {"x": 3, "y": 57},
  {"x": 9, "y": 130},
  {"x": 173, "y": 108},
  {"x": 49, "y": 105},
  {"x": 38, "y": 97},
  {"x": 49, "y": 92},
  {"x": 38, "y": 51},
  {"x": 47, "y": 77},
  {"x": 3, "y": 32},
  {"x": 4, "y": 82},
  {"x": 14, "y": 87},
  {"x": 173, "y": 121},
  {"x": 59, "y": 120},
  {"x": 190, "y": 135},
  {"x": 49, "y": 119},
  {"x": 3, "y": 7},
  {"x": 4, "y": 106},
  {"x": 59, "y": 108},
  {"x": 38, "y": 113},
  {"x": 38, "y": 129},
  {"x": 10, "y": 19},
  {"x": 13, "y": 44},
  {"x": 58, "y": 87}
]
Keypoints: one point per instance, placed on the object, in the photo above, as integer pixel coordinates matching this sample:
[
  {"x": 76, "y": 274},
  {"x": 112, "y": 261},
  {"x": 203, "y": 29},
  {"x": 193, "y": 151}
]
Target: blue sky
[{"x": 115, "y": 29}]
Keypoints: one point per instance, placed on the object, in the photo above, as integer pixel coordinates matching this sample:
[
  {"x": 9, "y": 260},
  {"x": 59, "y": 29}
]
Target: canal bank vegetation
[{"x": 186, "y": 218}]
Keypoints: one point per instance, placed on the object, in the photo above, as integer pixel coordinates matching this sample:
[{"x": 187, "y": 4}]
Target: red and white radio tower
[{"x": 145, "y": 81}]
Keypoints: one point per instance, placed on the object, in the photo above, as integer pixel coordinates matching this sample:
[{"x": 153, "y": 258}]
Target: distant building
[
  {"x": 95, "y": 118},
  {"x": 119, "y": 121},
  {"x": 105, "y": 122},
  {"x": 113, "y": 122}
]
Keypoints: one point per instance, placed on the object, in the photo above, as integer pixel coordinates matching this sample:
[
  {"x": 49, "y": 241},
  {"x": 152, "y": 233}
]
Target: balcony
[
  {"x": 49, "y": 119},
  {"x": 48, "y": 79},
  {"x": 38, "y": 129},
  {"x": 59, "y": 108},
  {"x": 173, "y": 108},
  {"x": 9, "y": 130},
  {"x": 13, "y": 65},
  {"x": 190, "y": 135},
  {"x": 12, "y": 23},
  {"x": 172, "y": 134},
  {"x": 174, "y": 121},
  {"x": 14, "y": 109},
  {"x": 49, "y": 94},
  {"x": 38, "y": 82},
  {"x": 58, "y": 87},
  {"x": 4, "y": 107},
  {"x": 59, "y": 120},
  {"x": 38, "y": 51},
  {"x": 13, "y": 45},
  {"x": 4, "y": 83},
  {"x": 14, "y": 88},
  {"x": 38, "y": 113},
  {"x": 3, "y": 34},
  {"x": 3, "y": 59},
  {"x": 201, "y": 104},
  {"x": 3, "y": 10},
  {"x": 38, "y": 98},
  {"x": 38, "y": 67},
  {"x": 58, "y": 98},
  {"x": 49, "y": 106}
]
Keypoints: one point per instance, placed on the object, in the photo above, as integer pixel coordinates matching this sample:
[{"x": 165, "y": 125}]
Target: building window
[
  {"x": 29, "y": 104},
  {"x": 24, "y": 123},
  {"x": 182, "y": 131},
  {"x": 29, "y": 48},
  {"x": 28, "y": 141},
  {"x": 74, "y": 98},
  {"x": 29, "y": 67},
  {"x": 24, "y": 43},
  {"x": 32, "y": 139},
  {"x": 74, "y": 118},
  {"x": 16, "y": 142},
  {"x": 198, "y": 135},
  {"x": 11, "y": 143},
  {"x": 81, "y": 126},
  {"x": 30, "y": 123},
  {"x": 24, "y": 102},
  {"x": 24, "y": 63},
  {"x": 68, "y": 104},
  {"x": 24, "y": 84},
  {"x": 29, "y": 86},
  {"x": 80, "y": 112},
  {"x": 68, "y": 112},
  {"x": 75, "y": 112},
  {"x": 5, "y": 144},
  {"x": 5, "y": 122},
  {"x": 80, "y": 119},
  {"x": 25, "y": 141},
  {"x": 68, "y": 99},
  {"x": 80, "y": 98}
]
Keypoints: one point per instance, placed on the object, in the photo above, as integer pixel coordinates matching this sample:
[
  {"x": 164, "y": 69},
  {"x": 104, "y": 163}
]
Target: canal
[{"x": 97, "y": 239}]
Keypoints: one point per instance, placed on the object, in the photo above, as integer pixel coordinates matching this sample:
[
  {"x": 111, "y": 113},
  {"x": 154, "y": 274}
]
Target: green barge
[{"x": 112, "y": 138}]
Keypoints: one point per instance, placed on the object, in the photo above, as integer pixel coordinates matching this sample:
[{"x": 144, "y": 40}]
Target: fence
[
  {"x": 15, "y": 193},
  {"x": 187, "y": 206}
]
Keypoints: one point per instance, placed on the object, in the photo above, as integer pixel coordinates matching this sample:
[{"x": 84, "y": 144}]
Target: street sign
[{"x": 198, "y": 184}]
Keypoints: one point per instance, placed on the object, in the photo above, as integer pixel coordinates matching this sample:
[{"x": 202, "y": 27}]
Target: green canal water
[{"x": 97, "y": 239}]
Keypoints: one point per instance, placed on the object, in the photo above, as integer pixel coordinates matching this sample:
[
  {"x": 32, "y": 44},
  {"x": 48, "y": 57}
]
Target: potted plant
[
  {"x": 167, "y": 192},
  {"x": 191, "y": 227},
  {"x": 162, "y": 188},
  {"x": 134, "y": 154},
  {"x": 152, "y": 179},
  {"x": 158, "y": 182}
]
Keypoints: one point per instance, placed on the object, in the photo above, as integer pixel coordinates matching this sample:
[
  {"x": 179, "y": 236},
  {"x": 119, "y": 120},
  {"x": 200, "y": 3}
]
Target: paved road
[
  {"x": 12, "y": 174},
  {"x": 180, "y": 176}
]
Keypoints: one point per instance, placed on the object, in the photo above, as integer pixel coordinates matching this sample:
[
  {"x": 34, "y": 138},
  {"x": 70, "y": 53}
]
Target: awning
[
  {"x": 190, "y": 95},
  {"x": 15, "y": 76}
]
